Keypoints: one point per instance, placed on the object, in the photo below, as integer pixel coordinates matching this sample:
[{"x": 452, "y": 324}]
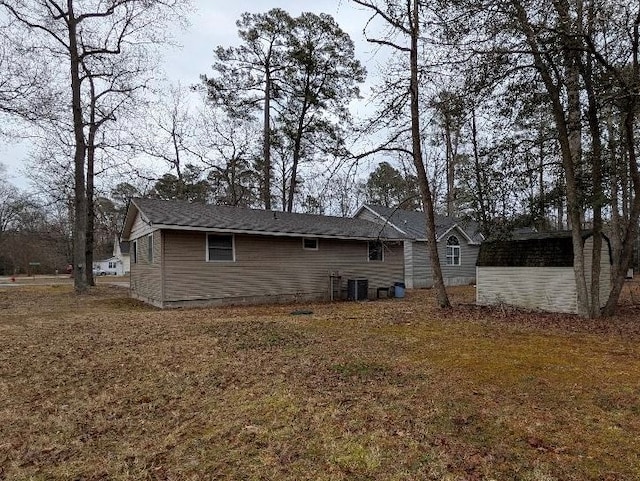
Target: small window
[
  {"x": 150, "y": 248},
  {"x": 134, "y": 248},
  {"x": 220, "y": 248},
  {"x": 453, "y": 251},
  {"x": 310, "y": 244},
  {"x": 112, "y": 265},
  {"x": 375, "y": 251}
]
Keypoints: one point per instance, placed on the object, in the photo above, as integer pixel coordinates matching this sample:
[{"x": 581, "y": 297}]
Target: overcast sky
[{"x": 212, "y": 23}]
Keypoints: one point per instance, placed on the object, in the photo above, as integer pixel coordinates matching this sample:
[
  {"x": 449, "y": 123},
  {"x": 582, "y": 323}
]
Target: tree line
[{"x": 510, "y": 112}]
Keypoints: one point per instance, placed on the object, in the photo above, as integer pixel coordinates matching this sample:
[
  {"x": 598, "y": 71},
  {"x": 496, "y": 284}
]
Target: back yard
[{"x": 102, "y": 387}]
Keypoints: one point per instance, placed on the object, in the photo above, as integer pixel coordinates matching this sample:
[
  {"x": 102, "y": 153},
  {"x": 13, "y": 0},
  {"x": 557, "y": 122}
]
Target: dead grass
[{"x": 102, "y": 387}]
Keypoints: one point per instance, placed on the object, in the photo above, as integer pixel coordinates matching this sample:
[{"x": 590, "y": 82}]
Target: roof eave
[{"x": 271, "y": 233}]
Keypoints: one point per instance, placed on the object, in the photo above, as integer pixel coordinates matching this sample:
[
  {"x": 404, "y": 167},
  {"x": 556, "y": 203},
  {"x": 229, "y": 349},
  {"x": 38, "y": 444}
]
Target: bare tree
[
  {"x": 79, "y": 31},
  {"x": 403, "y": 17}
]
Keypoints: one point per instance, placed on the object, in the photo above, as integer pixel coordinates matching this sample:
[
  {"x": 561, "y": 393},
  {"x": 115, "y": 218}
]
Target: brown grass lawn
[{"x": 102, "y": 387}]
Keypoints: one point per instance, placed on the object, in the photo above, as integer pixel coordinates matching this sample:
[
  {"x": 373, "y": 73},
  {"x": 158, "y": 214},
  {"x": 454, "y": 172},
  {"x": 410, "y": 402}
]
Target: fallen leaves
[{"x": 103, "y": 387}]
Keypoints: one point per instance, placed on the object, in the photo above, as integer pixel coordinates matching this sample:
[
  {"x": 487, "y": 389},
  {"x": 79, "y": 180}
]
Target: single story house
[
  {"x": 106, "y": 267},
  {"x": 535, "y": 271},
  {"x": 116, "y": 265},
  {"x": 458, "y": 245},
  {"x": 186, "y": 254}
]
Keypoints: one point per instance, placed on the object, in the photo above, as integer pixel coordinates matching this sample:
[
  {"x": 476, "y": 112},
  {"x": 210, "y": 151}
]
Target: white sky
[{"x": 211, "y": 24}]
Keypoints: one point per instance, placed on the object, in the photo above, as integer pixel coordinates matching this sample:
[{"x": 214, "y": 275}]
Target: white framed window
[
  {"x": 310, "y": 244},
  {"x": 112, "y": 265},
  {"x": 453, "y": 251},
  {"x": 376, "y": 251},
  {"x": 220, "y": 248},
  {"x": 150, "y": 248}
]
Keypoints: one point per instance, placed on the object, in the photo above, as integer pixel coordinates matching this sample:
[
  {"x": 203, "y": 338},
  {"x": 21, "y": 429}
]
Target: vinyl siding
[
  {"x": 419, "y": 264},
  {"x": 146, "y": 277},
  {"x": 366, "y": 214},
  {"x": 139, "y": 228},
  {"x": 465, "y": 273},
  {"x": 547, "y": 288},
  {"x": 269, "y": 267}
]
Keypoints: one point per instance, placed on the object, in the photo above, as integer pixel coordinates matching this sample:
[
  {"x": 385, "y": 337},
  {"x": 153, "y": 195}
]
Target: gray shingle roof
[
  {"x": 177, "y": 214},
  {"x": 413, "y": 223}
]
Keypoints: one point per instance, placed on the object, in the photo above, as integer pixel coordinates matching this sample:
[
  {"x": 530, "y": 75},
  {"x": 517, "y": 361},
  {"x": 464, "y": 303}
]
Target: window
[
  {"x": 310, "y": 244},
  {"x": 453, "y": 251},
  {"x": 112, "y": 265},
  {"x": 150, "y": 248},
  {"x": 134, "y": 257},
  {"x": 220, "y": 248},
  {"x": 375, "y": 251}
]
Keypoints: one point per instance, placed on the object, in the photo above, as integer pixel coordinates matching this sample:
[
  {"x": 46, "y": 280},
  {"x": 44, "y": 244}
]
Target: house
[
  {"x": 535, "y": 271},
  {"x": 121, "y": 254},
  {"x": 458, "y": 245},
  {"x": 118, "y": 264},
  {"x": 106, "y": 267},
  {"x": 195, "y": 254}
]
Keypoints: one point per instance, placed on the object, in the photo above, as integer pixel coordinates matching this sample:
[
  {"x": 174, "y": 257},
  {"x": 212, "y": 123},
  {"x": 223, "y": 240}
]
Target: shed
[{"x": 535, "y": 271}]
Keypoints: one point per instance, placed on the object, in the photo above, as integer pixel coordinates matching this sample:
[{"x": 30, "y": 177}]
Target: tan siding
[
  {"x": 546, "y": 288},
  {"x": 146, "y": 277},
  {"x": 270, "y": 266},
  {"x": 139, "y": 228},
  {"x": 366, "y": 214}
]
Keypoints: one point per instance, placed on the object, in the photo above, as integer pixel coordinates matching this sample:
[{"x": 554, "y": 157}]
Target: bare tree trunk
[
  {"x": 451, "y": 168},
  {"x": 80, "y": 199},
  {"x": 423, "y": 181},
  {"x": 484, "y": 218},
  {"x": 616, "y": 222},
  {"x": 90, "y": 207},
  {"x": 266, "y": 142},
  {"x": 597, "y": 200},
  {"x": 631, "y": 231}
]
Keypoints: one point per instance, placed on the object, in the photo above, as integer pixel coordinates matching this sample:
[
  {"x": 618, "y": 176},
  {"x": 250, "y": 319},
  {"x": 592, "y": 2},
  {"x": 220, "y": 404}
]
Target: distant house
[
  {"x": 195, "y": 254},
  {"x": 535, "y": 271},
  {"x": 118, "y": 264},
  {"x": 105, "y": 267},
  {"x": 458, "y": 245},
  {"x": 121, "y": 254}
]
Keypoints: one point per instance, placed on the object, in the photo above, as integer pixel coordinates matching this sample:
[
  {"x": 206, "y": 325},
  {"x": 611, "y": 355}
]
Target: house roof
[
  {"x": 531, "y": 249},
  {"x": 174, "y": 214},
  {"x": 413, "y": 223}
]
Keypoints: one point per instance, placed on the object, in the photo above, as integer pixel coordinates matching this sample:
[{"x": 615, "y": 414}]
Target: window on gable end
[{"x": 453, "y": 251}]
